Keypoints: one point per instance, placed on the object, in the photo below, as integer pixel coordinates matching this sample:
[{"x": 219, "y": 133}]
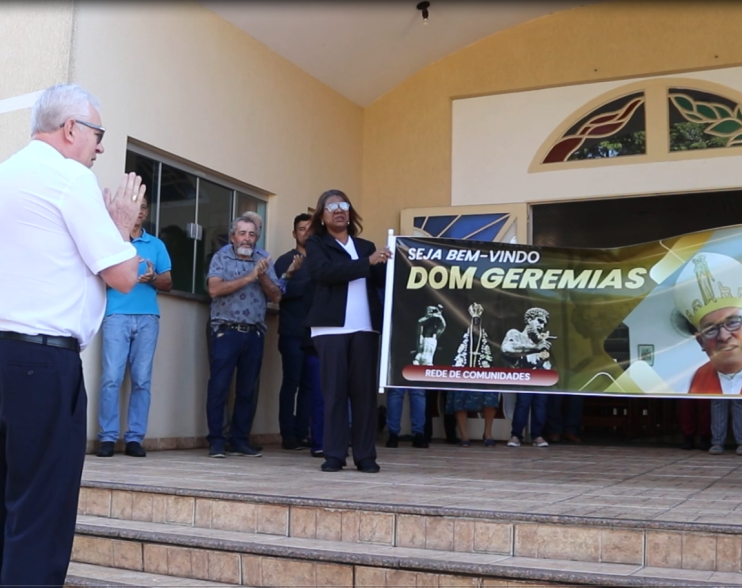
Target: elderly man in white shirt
[{"x": 62, "y": 243}]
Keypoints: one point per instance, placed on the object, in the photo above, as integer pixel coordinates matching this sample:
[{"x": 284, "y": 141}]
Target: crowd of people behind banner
[{"x": 77, "y": 258}]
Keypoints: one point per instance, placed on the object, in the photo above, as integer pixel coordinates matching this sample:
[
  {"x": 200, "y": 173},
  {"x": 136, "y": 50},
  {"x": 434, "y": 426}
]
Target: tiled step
[
  {"x": 688, "y": 546},
  {"x": 260, "y": 559},
  {"x": 82, "y": 575}
]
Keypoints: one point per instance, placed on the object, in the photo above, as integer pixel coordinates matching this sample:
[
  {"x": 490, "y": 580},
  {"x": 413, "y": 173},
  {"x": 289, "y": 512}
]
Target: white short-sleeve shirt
[{"x": 57, "y": 236}]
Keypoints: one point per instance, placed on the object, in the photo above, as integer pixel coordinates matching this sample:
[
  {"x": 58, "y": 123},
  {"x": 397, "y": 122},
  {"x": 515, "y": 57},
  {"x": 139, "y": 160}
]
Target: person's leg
[
  {"x": 417, "y": 411},
  {"x": 489, "y": 418},
  {"x": 520, "y": 414},
  {"x": 736, "y": 408},
  {"x": 116, "y": 338},
  {"x": 303, "y": 404},
  {"x": 363, "y": 388},
  {"x": 462, "y": 417},
  {"x": 43, "y": 418},
  {"x": 704, "y": 418},
  {"x": 225, "y": 351},
  {"x": 431, "y": 397},
  {"x": 394, "y": 402},
  {"x": 719, "y": 422},
  {"x": 333, "y": 359},
  {"x": 141, "y": 358},
  {"x": 248, "y": 368},
  {"x": 311, "y": 366},
  {"x": 538, "y": 417},
  {"x": 573, "y": 416},
  {"x": 291, "y": 364},
  {"x": 554, "y": 419},
  {"x": 688, "y": 422}
]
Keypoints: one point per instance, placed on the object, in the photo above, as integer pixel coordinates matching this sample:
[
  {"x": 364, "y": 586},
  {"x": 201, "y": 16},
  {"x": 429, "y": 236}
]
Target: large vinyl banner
[{"x": 657, "y": 319}]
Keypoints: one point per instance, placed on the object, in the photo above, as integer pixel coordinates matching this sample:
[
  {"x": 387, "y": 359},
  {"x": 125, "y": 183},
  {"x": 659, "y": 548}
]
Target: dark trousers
[
  {"x": 317, "y": 421},
  {"x": 695, "y": 417},
  {"x": 571, "y": 420},
  {"x": 232, "y": 350},
  {"x": 449, "y": 420},
  {"x": 43, "y": 419},
  {"x": 348, "y": 367},
  {"x": 294, "y": 398}
]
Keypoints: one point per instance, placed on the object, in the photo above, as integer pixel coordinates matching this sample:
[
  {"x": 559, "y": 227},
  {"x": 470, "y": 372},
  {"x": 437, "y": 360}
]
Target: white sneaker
[
  {"x": 540, "y": 442},
  {"x": 514, "y": 442}
]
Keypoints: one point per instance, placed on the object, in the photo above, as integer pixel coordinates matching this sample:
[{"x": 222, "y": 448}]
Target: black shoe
[
  {"x": 135, "y": 449},
  {"x": 393, "y": 440},
  {"x": 318, "y": 453},
  {"x": 105, "y": 449},
  {"x": 689, "y": 442},
  {"x": 243, "y": 451},
  {"x": 453, "y": 440},
  {"x": 332, "y": 464},
  {"x": 419, "y": 441},
  {"x": 705, "y": 444},
  {"x": 290, "y": 444},
  {"x": 216, "y": 449},
  {"x": 368, "y": 466}
]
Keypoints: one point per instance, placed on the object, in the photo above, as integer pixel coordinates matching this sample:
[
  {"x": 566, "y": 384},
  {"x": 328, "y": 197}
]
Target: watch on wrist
[{"x": 285, "y": 276}]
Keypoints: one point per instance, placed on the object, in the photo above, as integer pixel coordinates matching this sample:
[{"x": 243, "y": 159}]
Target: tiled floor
[{"x": 639, "y": 483}]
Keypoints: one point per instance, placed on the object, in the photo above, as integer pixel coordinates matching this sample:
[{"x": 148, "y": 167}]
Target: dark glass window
[{"x": 191, "y": 214}]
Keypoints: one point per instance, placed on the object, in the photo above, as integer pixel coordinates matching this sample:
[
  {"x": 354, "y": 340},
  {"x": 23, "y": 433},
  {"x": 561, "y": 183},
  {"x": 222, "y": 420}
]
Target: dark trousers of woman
[{"x": 348, "y": 367}]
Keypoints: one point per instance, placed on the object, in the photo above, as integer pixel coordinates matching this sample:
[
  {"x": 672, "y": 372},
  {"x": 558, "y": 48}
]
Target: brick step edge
[
  {"x": 91, "y": 576},
  {"x": 431, "y": 561},
  {"x": 419, "y": 510}
]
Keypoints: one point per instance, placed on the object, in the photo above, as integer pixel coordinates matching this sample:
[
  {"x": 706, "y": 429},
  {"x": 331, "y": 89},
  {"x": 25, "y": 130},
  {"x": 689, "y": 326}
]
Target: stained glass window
[
  {"x": 614, "y": 129},
  {"x": 701, "y": 120}
]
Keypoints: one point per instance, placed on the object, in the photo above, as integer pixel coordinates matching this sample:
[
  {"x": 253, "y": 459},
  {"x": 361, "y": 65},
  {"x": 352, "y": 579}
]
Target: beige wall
[
  {"x": 407, "y": 139},
  {"x": 29, "y": 65},
  {"x": 179, "y": 78}
]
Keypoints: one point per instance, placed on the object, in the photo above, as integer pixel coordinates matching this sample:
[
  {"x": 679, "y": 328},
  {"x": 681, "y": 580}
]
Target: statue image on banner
[{"x": 431, "y": 327}]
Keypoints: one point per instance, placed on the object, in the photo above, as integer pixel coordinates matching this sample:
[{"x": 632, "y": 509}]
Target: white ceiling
[{"x": 365, "y": 49}]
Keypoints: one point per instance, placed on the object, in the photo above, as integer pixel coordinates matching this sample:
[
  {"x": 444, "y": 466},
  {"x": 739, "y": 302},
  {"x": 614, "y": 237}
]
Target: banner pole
[{"x": 386, "y": 329}]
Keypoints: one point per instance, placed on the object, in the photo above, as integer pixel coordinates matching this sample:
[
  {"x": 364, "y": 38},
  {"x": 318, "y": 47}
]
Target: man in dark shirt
[{"x": 294, "y": 400}]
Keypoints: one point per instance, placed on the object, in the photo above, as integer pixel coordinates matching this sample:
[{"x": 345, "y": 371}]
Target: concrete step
[
  {"x": 653, "y": 544},
  {"x": 82, "y": 575},
  {"x": 261, "y": 559}
]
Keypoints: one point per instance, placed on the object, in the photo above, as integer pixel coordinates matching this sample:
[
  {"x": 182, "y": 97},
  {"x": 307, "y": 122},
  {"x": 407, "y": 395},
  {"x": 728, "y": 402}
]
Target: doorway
[{"x": 620, "y": 222}]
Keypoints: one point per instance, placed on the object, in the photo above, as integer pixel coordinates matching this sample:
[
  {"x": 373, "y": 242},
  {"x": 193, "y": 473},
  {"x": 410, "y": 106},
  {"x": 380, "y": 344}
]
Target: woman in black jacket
[{"x": 345, "y": 319}]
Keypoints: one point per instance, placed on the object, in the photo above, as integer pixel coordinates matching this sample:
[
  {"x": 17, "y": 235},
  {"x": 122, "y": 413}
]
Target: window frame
[{"x": 200, "y": 173}]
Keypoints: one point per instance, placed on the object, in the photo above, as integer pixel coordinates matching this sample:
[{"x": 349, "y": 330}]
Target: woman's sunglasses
[{"x": 335, "y": 206}]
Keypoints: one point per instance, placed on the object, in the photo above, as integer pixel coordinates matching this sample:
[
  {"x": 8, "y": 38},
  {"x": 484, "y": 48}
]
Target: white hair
[
  {"x": 255, "y": 219},
  {"x": 58, "y": 104}
]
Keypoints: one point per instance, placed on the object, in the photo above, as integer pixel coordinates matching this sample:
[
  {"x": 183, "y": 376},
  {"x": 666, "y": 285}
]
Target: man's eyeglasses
[
  {"x": 731, "y": 324},
  {"x": 335, "y": 206},
  {"x": 98, "y": 135}
]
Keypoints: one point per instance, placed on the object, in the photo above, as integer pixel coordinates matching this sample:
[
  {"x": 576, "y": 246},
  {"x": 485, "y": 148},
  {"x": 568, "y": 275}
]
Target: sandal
[
  {"x": 464, "y": 443},
  {"x": 489, "y": 442}
]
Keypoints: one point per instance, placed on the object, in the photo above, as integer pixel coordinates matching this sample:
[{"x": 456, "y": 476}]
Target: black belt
[
  {"x": 240, "y": 327},
  {"x": 64, "y": 342}
]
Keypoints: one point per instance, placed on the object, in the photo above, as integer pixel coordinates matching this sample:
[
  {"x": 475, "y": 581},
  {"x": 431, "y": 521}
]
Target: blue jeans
[
  {"x": 128, "y": 339},
  {"x": 394, "y": 402},
  {"x": 294, "y": 398},
  {"x": 317, "y": 421},
  {"x": 229, "y": 350},
  {"x": 536, "y": 405}
]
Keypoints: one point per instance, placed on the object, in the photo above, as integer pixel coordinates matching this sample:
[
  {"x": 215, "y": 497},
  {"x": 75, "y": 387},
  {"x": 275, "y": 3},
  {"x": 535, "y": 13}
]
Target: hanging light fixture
[{"x": 423, "y": 7}]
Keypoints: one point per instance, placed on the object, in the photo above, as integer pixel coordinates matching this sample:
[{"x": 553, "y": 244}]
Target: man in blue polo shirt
[{"x": 130, "y": 329}]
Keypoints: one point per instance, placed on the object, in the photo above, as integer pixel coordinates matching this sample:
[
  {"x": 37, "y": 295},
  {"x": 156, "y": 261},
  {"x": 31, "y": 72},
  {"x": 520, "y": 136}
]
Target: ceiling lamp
[{"x": 423, "y": 7}]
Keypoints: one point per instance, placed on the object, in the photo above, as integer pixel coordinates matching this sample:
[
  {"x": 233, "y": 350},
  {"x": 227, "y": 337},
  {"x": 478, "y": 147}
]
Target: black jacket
[
  {"x": 331, "y": 268},
  {"x": 292, "y": 310}
]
